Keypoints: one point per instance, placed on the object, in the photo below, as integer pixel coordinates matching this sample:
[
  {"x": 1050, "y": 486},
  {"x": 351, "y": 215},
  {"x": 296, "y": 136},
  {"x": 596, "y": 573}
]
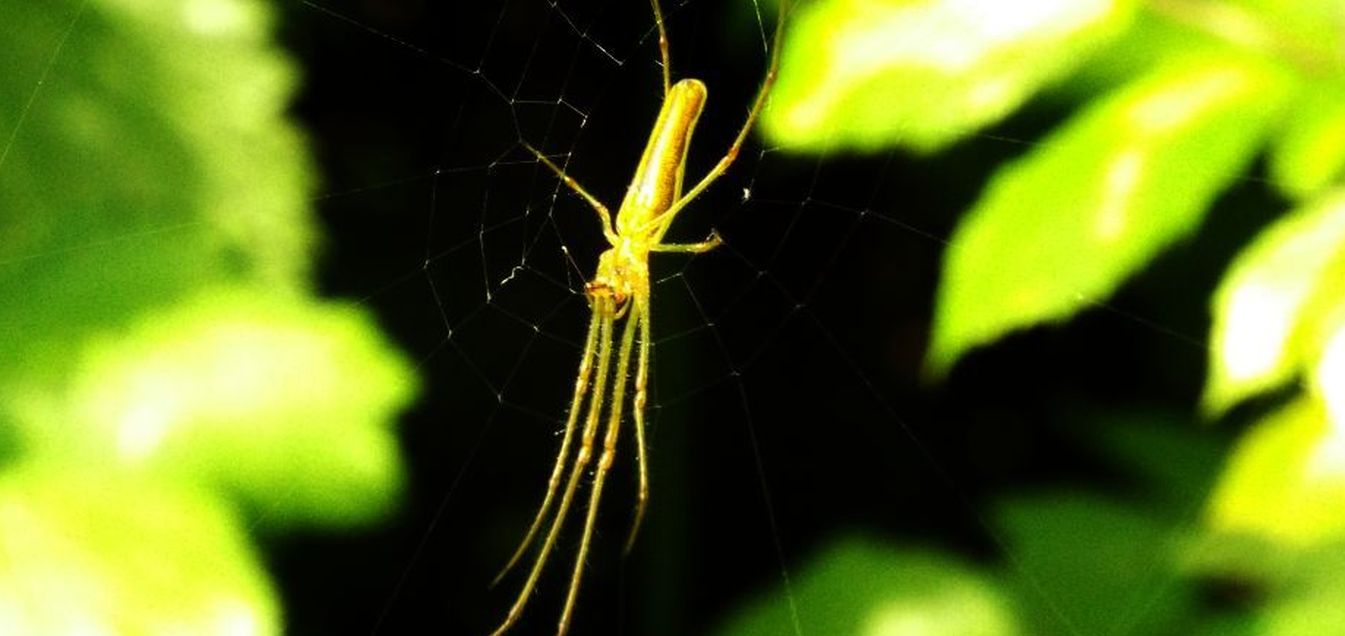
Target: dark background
[{"x": 788, "y": 406}]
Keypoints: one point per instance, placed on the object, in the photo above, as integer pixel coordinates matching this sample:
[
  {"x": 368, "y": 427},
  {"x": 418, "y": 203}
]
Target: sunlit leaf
[
  {"x": 1309, "y": 153},
  {"x": 863, "y": 588},
  {"x": 1305, "y": 33},
  {"x": 1087, "y": 566},
  {"x": 285, "y": 405},
  {"x": 1062, "y": 227},
  {"x": 101, "y": 554},
  {"x": 143, "y": 152},
  {"x": 1151, "y": 41},
  {"x": 1269, "y": 309},
  {"x": 1286, "y": 479},
  {"x": 869, "y": 74},
  {"x": 1328, "y": 375}
]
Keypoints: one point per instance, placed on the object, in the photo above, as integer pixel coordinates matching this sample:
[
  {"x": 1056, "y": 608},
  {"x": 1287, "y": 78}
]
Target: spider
[{"x": 618, "y": 298}]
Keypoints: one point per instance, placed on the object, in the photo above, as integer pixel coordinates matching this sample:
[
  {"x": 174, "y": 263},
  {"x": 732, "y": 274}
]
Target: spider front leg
[
  {"x": 581, "y": 387},
  {"x": 610, "y": 435},
  {"x": 638, "y": 404},
  {"x": 663, "y": 47},
  {"x": 759, "y": 103},
  {"x": 604, "y": 312}
]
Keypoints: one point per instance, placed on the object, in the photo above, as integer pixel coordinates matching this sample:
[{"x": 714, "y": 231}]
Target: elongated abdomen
[{"x": 658, "y": 178}]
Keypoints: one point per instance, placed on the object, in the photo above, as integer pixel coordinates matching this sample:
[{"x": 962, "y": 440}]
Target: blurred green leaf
[
  {"x": 1175, "y": 462},
  {"x": 1292, "y": 589},
  {"x": 1086, "y": 566},
  {"x": 145, "y": 153},
  {"x": 1320, "y": 612},
  {"x": 862, "y": 588},
  {"x": 1308, "y": 154},
  {"x": 1314, "y": 602},
  {"x": 1304, "y": 35},
  {"x": 1062, "y": 227},
  {"x": 1328, "y": 376},
  {"x": 868, "y": 74},
  {"x": 1273, "y": 304},
  {"x": 86, "y": 553},
  {"x": 1151, "y": 41},
  {"x": 283, "y": 404},
  {"x": 1286, "y": 479},
  {"x": 146, "y": 157}
]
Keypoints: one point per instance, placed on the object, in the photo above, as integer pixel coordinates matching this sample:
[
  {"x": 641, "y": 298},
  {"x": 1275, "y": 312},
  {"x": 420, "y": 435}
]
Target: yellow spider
[{"x": 620, "y": 291}]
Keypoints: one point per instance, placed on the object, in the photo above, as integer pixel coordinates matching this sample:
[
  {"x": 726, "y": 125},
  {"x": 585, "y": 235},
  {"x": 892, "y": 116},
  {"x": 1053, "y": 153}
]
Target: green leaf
[
  {"x": 1086, "y": 566},
  {"x": 1286, "y": 479},
  {"x": 1151, "y": 41},
  {"x": 860, "y": 587},
  {"x": 1273, "y": 304},
  {"x": 1314, "y": 602},
  {"x": 1321, "y": 612},
  {"x": 1173, "y": 462},
  {"x": 1305, "y": 33},
  {"x": 1297, "y": 589},
  {"x": 145, "y": 153},
  {"x": 1308, "y": 155},
  {"x": 282, "y": 404},
  {"x": 1062, "y": 227},
  {"x": 97, "y": 554},
  {"x": 868, "y": 74}
]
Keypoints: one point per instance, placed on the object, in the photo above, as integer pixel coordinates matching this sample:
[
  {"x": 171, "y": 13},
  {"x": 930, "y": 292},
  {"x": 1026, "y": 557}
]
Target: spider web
[{"x": 785, "y": 408}]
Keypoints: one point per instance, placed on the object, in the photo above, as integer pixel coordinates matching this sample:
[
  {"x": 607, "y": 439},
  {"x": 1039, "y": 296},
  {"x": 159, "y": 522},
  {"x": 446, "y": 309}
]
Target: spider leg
[
  {"x": 576, "y": 405},
  {"x": 718, "y": 170},
  {"x": 604, "y": 216},
  {"x": 610, "y": 436},
  {"x": 603, "y": 308},
  {"x": 663, "y": 47},
  {"x": 641, "y": 396},
  {"x": 690, "y": 248}
]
